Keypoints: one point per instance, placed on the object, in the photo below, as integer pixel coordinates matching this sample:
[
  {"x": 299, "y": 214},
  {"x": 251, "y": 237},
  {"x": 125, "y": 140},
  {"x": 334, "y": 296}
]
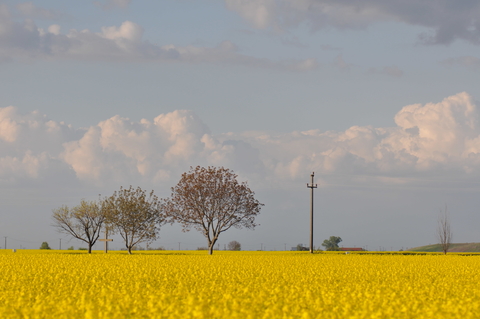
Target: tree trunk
[
  {"x": 89, "y": 248},
  {"x": 129, "y": 250},
  {"x": 212, "y": 245}
]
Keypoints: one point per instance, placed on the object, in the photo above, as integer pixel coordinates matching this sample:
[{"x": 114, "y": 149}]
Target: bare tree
[
  {"x": 234, "y": 245},
  {"x": 444, "y": 231},
  {"x": 83, "y": 222},
  {"x": 134, "y": 214},
  {"x": 212, "y": 201}
]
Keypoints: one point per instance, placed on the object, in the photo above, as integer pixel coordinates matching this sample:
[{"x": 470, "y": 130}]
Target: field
[
  {"x": 54, "y": 284},
  {"x": 454, "y": 247}
]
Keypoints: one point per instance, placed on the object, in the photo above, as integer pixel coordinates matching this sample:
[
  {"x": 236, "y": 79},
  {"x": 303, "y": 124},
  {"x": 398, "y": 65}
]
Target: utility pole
[
  {"x": 5, "y": 242},
  {"x": 178, "y": 245},
  {"x": 311, "y": 186},
  {"x": 60, "y": 244}
]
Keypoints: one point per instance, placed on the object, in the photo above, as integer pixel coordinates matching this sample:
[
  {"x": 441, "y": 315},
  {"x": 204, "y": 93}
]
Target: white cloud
[
  {"x": 427, "y": 140},
  {"x": 437, "y": 136},
  {"x": 30, "y": 144},
  {"x": 23, "y": 40},
  {"x": 54, "y": 29},
  {"x": 449, "y": 20},
  {"x": 127, "y": 31},
  {"x": 119, "y": 150}
]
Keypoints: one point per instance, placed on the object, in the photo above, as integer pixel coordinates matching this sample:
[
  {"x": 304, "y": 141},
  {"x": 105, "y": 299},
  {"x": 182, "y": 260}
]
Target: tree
[
  {"x": 83, "y": 222},
  {"x": 331, "y": 244},
  {"x": 212, "y": 201},
  {"x": 134, "y": 214},
  {"x": 45, "y": 245},
  {"x": 234, "y": 245},
  {"x": 444, "y": 232}
]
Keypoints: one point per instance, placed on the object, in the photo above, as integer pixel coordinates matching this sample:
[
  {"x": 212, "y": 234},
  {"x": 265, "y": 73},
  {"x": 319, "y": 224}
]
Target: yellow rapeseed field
[{"x": 54, "y": 284}]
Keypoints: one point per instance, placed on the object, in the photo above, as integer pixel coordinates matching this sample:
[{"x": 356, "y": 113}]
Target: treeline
[{"x": 210, "y": 200}]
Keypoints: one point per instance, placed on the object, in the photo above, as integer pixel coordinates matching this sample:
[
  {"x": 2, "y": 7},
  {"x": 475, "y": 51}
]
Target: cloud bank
[
  {"x": 23, "y": 40},
  {"x": 435, "y": 138},
  {"x": 447, "y": 20}
]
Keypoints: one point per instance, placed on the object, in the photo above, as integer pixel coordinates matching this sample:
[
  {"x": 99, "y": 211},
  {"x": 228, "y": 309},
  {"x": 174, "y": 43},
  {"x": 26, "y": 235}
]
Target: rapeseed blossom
[{"x": 178, "y": 284}]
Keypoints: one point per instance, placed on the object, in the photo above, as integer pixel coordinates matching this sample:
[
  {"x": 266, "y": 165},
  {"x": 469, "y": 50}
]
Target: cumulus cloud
[
  {"x": 428, "y": 139},
  {"x": 448, "y": 20},
  {"x": 30, "y": 144},
  {"x": 24, "y": 40}
]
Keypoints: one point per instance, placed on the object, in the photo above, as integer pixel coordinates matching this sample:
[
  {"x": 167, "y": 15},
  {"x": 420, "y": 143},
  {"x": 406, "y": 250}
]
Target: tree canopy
[
  {"x": 211, "y": 200},
  {"x": 83, "y": 222},
  {"x": 134, "y": 214},
  {"x": 45, "y": 245},
  {"x": 332, "y": 243},
  {"x": 234, "y": 245}
]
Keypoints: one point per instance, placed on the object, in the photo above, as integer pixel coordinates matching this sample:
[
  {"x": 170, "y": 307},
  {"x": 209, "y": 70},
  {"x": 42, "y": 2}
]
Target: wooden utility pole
[
  {"x": 311, "y": 186},
  {"x": 106, "y": 240}
]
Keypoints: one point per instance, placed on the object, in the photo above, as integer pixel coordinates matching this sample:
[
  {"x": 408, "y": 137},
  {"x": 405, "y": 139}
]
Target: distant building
[{"x": 300, "y": 247}]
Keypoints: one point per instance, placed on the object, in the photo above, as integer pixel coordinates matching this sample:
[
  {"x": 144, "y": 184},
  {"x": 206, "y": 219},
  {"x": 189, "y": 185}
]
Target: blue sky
[{"x": 379, "y": 98}]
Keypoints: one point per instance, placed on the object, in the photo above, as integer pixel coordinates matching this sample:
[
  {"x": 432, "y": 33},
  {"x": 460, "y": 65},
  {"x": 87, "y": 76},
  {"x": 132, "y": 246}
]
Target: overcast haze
[{"x": 378, "y": 97}]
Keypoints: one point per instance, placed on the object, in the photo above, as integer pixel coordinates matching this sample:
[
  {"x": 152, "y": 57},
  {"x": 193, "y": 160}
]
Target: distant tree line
[{"x": 209, "y": 200}]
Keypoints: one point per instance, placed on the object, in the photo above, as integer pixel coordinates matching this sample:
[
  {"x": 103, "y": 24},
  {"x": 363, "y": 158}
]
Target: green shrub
[{"x": 45, "y": 245}]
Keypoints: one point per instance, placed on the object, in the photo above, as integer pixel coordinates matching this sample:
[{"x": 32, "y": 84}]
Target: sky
[{"x": 379, "y": 98}]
